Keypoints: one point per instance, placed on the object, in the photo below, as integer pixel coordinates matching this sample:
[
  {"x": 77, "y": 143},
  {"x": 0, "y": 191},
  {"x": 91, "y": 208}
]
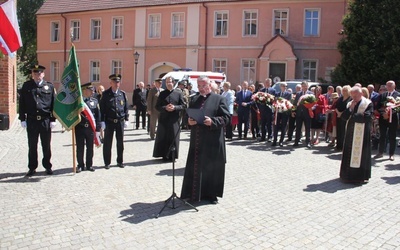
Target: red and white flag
[{"x": 10, "y": 37}]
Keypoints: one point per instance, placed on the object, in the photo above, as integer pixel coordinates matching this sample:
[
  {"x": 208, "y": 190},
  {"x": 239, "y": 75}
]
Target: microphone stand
[{"x": 173, "y": 197}]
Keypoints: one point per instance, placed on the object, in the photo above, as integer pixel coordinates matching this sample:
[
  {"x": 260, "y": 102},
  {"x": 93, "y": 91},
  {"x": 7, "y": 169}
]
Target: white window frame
[
  {"x": 309, "y": 69},
  {"x": 94, "y": 71},
  {"x": 219, "y": 68},
  {"x": 248, "y": 69},
  {"x": 55, "y": 71},
  {"x": 318, "y": 23},
  {"x": 116, "y": 69},
  {"x": 117, "y": 28},
  {"x": 154, "y": 26},
  {"x": 76, "y": 29},
  {"x": 178, "y": 26},
  {"x": 92, "y": 29},
  {"x": 55, "y": 32},
  {"x": 216, "y": 21},
  {"x": 280, "y": 22},
  {"x": 251, "y": 11}
]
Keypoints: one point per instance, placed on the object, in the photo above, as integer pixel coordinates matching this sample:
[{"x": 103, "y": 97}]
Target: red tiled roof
[{"x": 67, "y": 6}]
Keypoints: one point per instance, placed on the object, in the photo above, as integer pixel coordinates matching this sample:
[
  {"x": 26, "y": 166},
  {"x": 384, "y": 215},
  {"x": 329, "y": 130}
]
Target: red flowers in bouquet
[
  {"x": 308, "y": 101},
  {"x": 263, "y": 98}
]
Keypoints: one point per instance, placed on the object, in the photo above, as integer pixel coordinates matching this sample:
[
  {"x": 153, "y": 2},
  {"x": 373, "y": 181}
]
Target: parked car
[
  {"x": 292, "y": 85},
  {"x": 191, "y": 76}
]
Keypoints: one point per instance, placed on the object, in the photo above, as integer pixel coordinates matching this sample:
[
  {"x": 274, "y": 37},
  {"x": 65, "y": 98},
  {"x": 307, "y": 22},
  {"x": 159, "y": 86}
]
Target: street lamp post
[{"x": 136, "y": 56}]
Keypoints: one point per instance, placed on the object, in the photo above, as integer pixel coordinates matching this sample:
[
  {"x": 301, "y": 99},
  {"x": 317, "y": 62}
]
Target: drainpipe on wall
[
  {"x": 65, "y": 39},
  {"x": 206, "y": 38}
]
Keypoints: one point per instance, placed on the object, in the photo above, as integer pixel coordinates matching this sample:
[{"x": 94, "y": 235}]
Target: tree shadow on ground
[
  {"x": 331, "y": 186},
  {"x": 392, "y": 180},
  {"x": 140, "y": 212}
]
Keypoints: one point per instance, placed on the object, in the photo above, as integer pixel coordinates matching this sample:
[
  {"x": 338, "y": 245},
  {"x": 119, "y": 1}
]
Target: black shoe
[
  {"x": 280, "y": 144},
  {"x": 296, "y": 144},
  {"x": 121, "y": 165},
  {"x": 78, "y": 170},
  {"x": 30, "y": 173},
  {"x": 213, "y": 200},
  {"x": 107, "y": 166},
  {"x": 309, "y": 145},
  {"x": 273, "y": 144},
  {"x": 137, "y": 127},
  {"x": 90, "y": 169},
  {"x": 239, "y": 138},
  {"x": 289, "y": 139},
  {"x": 49, "y": 171}
]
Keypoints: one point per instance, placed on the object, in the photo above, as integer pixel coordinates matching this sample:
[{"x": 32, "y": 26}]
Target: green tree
[
  {"x": 26, "y": 11},
  {"x": 370, "y": 46}
]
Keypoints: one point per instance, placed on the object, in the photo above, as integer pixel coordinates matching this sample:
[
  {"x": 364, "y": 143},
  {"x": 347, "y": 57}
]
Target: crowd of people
[{"x": 352, "y": 118}]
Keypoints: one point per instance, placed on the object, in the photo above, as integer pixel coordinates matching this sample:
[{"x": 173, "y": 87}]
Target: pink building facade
[{"x": 248, "y": 40}]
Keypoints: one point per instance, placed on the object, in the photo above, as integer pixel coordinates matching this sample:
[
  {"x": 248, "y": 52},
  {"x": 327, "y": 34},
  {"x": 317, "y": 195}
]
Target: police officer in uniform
[
  {"x": 114, "y": 117},
  {"x": 83, "y": 131},
  {"x": 36, "y": 104}
]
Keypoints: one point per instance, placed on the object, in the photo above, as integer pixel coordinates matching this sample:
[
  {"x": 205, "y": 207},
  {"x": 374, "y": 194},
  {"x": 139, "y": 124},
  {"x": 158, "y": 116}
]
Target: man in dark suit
[
  {"x": 302, "y": 116},
  {"x": 243, "y": 100},
  {"x": 140, "y": 104},
  {"x": 281, "y": 118},
  {"x": 387, "y": 126},
  {"x": 266, "y": 112}
]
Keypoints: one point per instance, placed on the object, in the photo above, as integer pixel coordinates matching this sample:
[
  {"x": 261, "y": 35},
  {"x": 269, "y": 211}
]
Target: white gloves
[
  {"x": 126, "y": 123},
  {"x": 103, "y": 125},
  {"x": 98, "y": 134},
  {"x": 53, "y": 124},
  {"x": 23, "y": 124}
]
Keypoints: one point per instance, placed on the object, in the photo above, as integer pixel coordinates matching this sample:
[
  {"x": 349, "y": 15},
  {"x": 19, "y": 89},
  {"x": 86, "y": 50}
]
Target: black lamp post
[{"x": 136, "y": 56}]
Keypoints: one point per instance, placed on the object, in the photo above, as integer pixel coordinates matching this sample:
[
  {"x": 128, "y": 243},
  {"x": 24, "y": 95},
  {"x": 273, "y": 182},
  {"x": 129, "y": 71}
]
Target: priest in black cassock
[
  {"x": 356, "y": 158},
  {"x": 205, "y": 166},
  {"x": 170, "y": 103}
]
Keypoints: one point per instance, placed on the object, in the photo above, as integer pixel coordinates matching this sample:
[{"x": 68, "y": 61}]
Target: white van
[{"x": 191, "y": 76}]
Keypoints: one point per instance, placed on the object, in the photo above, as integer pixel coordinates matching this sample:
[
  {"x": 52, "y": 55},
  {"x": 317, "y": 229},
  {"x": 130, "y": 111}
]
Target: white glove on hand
[
  {"x": 98, "y": 134},
  {"x": 126, "y": 123},
  {"x": 53, "y": 124},
  {"x": 103, "y": 125},
  {"x": 23, "y": 124}
]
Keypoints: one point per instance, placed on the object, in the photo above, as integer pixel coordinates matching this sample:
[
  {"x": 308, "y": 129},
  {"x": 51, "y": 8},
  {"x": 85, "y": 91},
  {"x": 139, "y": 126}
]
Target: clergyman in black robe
[
  {"x": 356, "y": 158},
  {"x": 205, "y": 166},
  {"x": 170, "y": 103}
]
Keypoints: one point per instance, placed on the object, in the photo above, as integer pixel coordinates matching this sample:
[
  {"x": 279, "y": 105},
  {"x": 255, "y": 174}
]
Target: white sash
[{"x": 358, "y": 135}]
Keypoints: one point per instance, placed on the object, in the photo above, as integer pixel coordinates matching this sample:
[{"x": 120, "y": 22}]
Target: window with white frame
[
  {"x": 310, "y": 70},
  {"x": 76, "y": 29},
  {"x": 116, "y": 67},
  {"x": 94, "y": 71},
  {"x": 248, "y": 70},
  {"x": 178, "y": 25},
  {"x": 154, "y": 25},
  {"x": 55, "y": 31},
  {"x": 250, "y": 22},
  {"x": 220, "y": 65},
  {"x": 311, "y": 22},
  {"x": 118, "y": 25},
  {"x": 281, "y": 19},
  {"x": 55, "y": 71},
  {"x": 221, "y": 23},
  {"x": 95, "y": 28}
]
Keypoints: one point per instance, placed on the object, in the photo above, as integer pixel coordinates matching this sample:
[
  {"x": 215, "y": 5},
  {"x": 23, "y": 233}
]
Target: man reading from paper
[
  {"x": 356, "y": 159},
  {"x": 205, "y": 165}
]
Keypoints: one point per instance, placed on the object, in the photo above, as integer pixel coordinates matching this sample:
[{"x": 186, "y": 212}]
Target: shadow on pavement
[
  {"x": 392, "y": 180},
  {"x": 331, "y": 186},
  {"x": 39, "y": 175},
  {"x": 168, "y": 172},
  {"x": 391, "y": 167},
  {"x": 140, "y": 212}
]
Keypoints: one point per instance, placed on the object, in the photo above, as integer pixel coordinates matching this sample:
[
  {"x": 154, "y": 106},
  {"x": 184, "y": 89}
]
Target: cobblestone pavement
[{"x": 275, "y": 198}]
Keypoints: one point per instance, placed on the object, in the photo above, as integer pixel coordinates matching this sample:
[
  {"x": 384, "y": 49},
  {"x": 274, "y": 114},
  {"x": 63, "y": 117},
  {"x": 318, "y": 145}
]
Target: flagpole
[{"x": 73, "y": 151}]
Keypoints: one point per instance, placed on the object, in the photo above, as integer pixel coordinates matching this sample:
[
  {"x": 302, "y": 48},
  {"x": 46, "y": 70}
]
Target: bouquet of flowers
[
  {"x": 235, "y": 107},
  {"x": 263, "y": 98},
  {"x": 308, "y": 101},
  {"x": 282, "y": 105},
  {"x": 392, "y": 105}
]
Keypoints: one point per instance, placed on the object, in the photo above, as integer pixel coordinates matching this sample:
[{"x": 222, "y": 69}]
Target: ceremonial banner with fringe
[{"x": 69, "y": 103}]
